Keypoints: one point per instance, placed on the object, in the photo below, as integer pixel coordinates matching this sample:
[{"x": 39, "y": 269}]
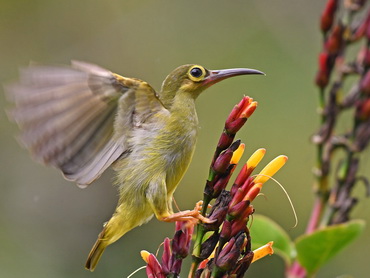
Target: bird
[{"x": 83, "y": 119}]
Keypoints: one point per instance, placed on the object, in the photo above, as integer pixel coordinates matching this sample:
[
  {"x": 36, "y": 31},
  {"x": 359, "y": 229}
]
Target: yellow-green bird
[{"x": 82, "y": 119}]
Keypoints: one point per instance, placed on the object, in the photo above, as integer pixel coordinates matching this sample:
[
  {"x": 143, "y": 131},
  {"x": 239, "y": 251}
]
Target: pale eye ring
[{"x": 197, "y": 73}]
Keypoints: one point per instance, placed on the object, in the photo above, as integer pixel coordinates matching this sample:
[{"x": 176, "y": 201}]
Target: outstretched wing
[{"x": 78, "y": 118}]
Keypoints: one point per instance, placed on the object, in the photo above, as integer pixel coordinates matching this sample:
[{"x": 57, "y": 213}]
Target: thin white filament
[
  {"x": 287, "y": 195},
  {"x": 137, "y": 270}
]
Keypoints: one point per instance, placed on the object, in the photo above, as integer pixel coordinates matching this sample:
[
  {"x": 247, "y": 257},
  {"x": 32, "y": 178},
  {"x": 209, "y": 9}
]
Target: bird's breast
[
  {"x": 178, "y": 147},
  {"x": 163, "y": 147}
]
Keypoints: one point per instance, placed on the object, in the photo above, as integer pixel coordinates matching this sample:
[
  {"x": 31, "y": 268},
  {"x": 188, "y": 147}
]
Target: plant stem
[{"x": 315, "y": 215}]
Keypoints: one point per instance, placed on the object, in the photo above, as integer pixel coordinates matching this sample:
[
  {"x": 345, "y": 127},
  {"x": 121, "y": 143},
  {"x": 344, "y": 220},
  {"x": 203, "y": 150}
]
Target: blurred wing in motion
[{"x": 68, "y": 116}]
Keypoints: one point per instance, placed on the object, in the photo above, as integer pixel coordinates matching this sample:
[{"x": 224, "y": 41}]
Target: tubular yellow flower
[
  {"x": 237, "y": 154},
  {"x": 270, "y": 169},
  {"x": 263, "y": 251},
  {"x": 145, "y": 255},
  {"x": 255, "y": 158}
]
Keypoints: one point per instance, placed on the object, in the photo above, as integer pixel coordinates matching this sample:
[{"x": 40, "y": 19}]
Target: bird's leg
[{"x": 160, "y": 201}]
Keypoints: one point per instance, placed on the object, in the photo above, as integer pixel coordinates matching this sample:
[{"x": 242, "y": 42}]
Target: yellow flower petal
[
  {"x": 271, "y": 169},
  {"x": 237, "y": 154},
  {"x": 263, "y": 251},
  {"x": 255, "y": 158},
  {"x": 145, "y": 255}
]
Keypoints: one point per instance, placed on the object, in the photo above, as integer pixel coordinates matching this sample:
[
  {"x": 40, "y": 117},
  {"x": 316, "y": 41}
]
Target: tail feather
[
  {"x": 115, "y": 228},
  {"x": 95, "y": 254}
]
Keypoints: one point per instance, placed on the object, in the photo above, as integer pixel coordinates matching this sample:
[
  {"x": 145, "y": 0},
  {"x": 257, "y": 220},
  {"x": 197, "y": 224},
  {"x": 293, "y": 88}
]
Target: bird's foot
[{"x": 189, "y": 215}]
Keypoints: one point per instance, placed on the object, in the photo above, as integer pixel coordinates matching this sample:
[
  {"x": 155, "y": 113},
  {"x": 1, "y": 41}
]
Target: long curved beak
[{"x": 219, "y": 75}]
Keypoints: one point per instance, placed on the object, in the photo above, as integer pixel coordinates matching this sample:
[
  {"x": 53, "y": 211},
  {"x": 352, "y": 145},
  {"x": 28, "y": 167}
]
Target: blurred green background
[{"x": 48, "y": 225}]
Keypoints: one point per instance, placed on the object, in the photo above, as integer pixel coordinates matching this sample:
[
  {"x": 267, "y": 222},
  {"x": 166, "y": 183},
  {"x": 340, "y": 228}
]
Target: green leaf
[
  {"x": 315, "y": 249},
  {"x": 264, "y": 230}
]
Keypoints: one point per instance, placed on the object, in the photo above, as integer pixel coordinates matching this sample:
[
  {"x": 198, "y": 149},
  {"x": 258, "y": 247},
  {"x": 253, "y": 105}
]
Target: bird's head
[{"x": 194, "y": 79}]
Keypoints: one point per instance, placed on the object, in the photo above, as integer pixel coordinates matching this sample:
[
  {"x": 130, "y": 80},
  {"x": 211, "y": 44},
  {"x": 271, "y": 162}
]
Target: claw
[
  {"x": 206, "y": 220},
  {"x": 199, "y": 206}
]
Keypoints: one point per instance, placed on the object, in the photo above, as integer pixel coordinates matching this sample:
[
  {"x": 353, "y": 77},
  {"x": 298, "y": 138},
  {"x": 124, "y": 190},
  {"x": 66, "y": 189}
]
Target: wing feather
[{"x": 78, "y": 119}]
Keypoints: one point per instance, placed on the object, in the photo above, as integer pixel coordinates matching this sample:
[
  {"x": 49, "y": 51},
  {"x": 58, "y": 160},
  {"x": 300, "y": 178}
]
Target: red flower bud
[
  {"x": 363, "y": 57},
  {"x": 166, "y": 256},
  {"x": 182, "y": 239},
  {"x": 365, "y": 84},
  {"x": 362, "y": 137},
  {"x": 243, "y": 265},
  {"x": 229, "y": 255},
  {"x": 220, "y": 185},
  {"x": 225, "y": 141},
  {"x": 226, "y": 230},
  {"x": 153, "y": 268},
  {"x": 367, "y": 31},
  {"x": 363, "y": 110},
  {"x": 237, "y": 226},
  {"x": 223, "y": 259},
  {"x": 248, "y": 110},
  {"x": 240, "y": 114},
  {"x": 223, "y": 161},
  {"x": 240, "y": 193},
  {"x": 237, "y": 109},
  {"x": 242, "y": 176},
  {"x": 366, "y": 60},
  {"x": 234, "y": 126},
  {"x": 327, "y": 17},
  {"x": 323, "y": 74},
  {"x": 239, "y": 209},
  {"x": 253, "y": 192},
  {"x": 362, "y": 29},
  {"x": 249, "y": 211},
  {"x": 335, "y": 41},
  {"x": 176, "y": 268}
]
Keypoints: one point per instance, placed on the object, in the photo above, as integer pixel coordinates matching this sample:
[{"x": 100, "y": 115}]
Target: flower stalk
[
  {"x": 341, "y": 26},
  {"x": 232, "y": 209}
]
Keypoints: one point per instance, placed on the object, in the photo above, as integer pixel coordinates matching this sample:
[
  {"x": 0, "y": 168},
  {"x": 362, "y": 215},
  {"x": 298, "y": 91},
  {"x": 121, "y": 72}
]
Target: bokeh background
[{"x": 48, "y": 225}]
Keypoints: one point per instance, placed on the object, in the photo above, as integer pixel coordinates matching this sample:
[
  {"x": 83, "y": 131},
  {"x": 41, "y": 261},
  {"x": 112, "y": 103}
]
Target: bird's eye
[{"x": 197, "y": 73}]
